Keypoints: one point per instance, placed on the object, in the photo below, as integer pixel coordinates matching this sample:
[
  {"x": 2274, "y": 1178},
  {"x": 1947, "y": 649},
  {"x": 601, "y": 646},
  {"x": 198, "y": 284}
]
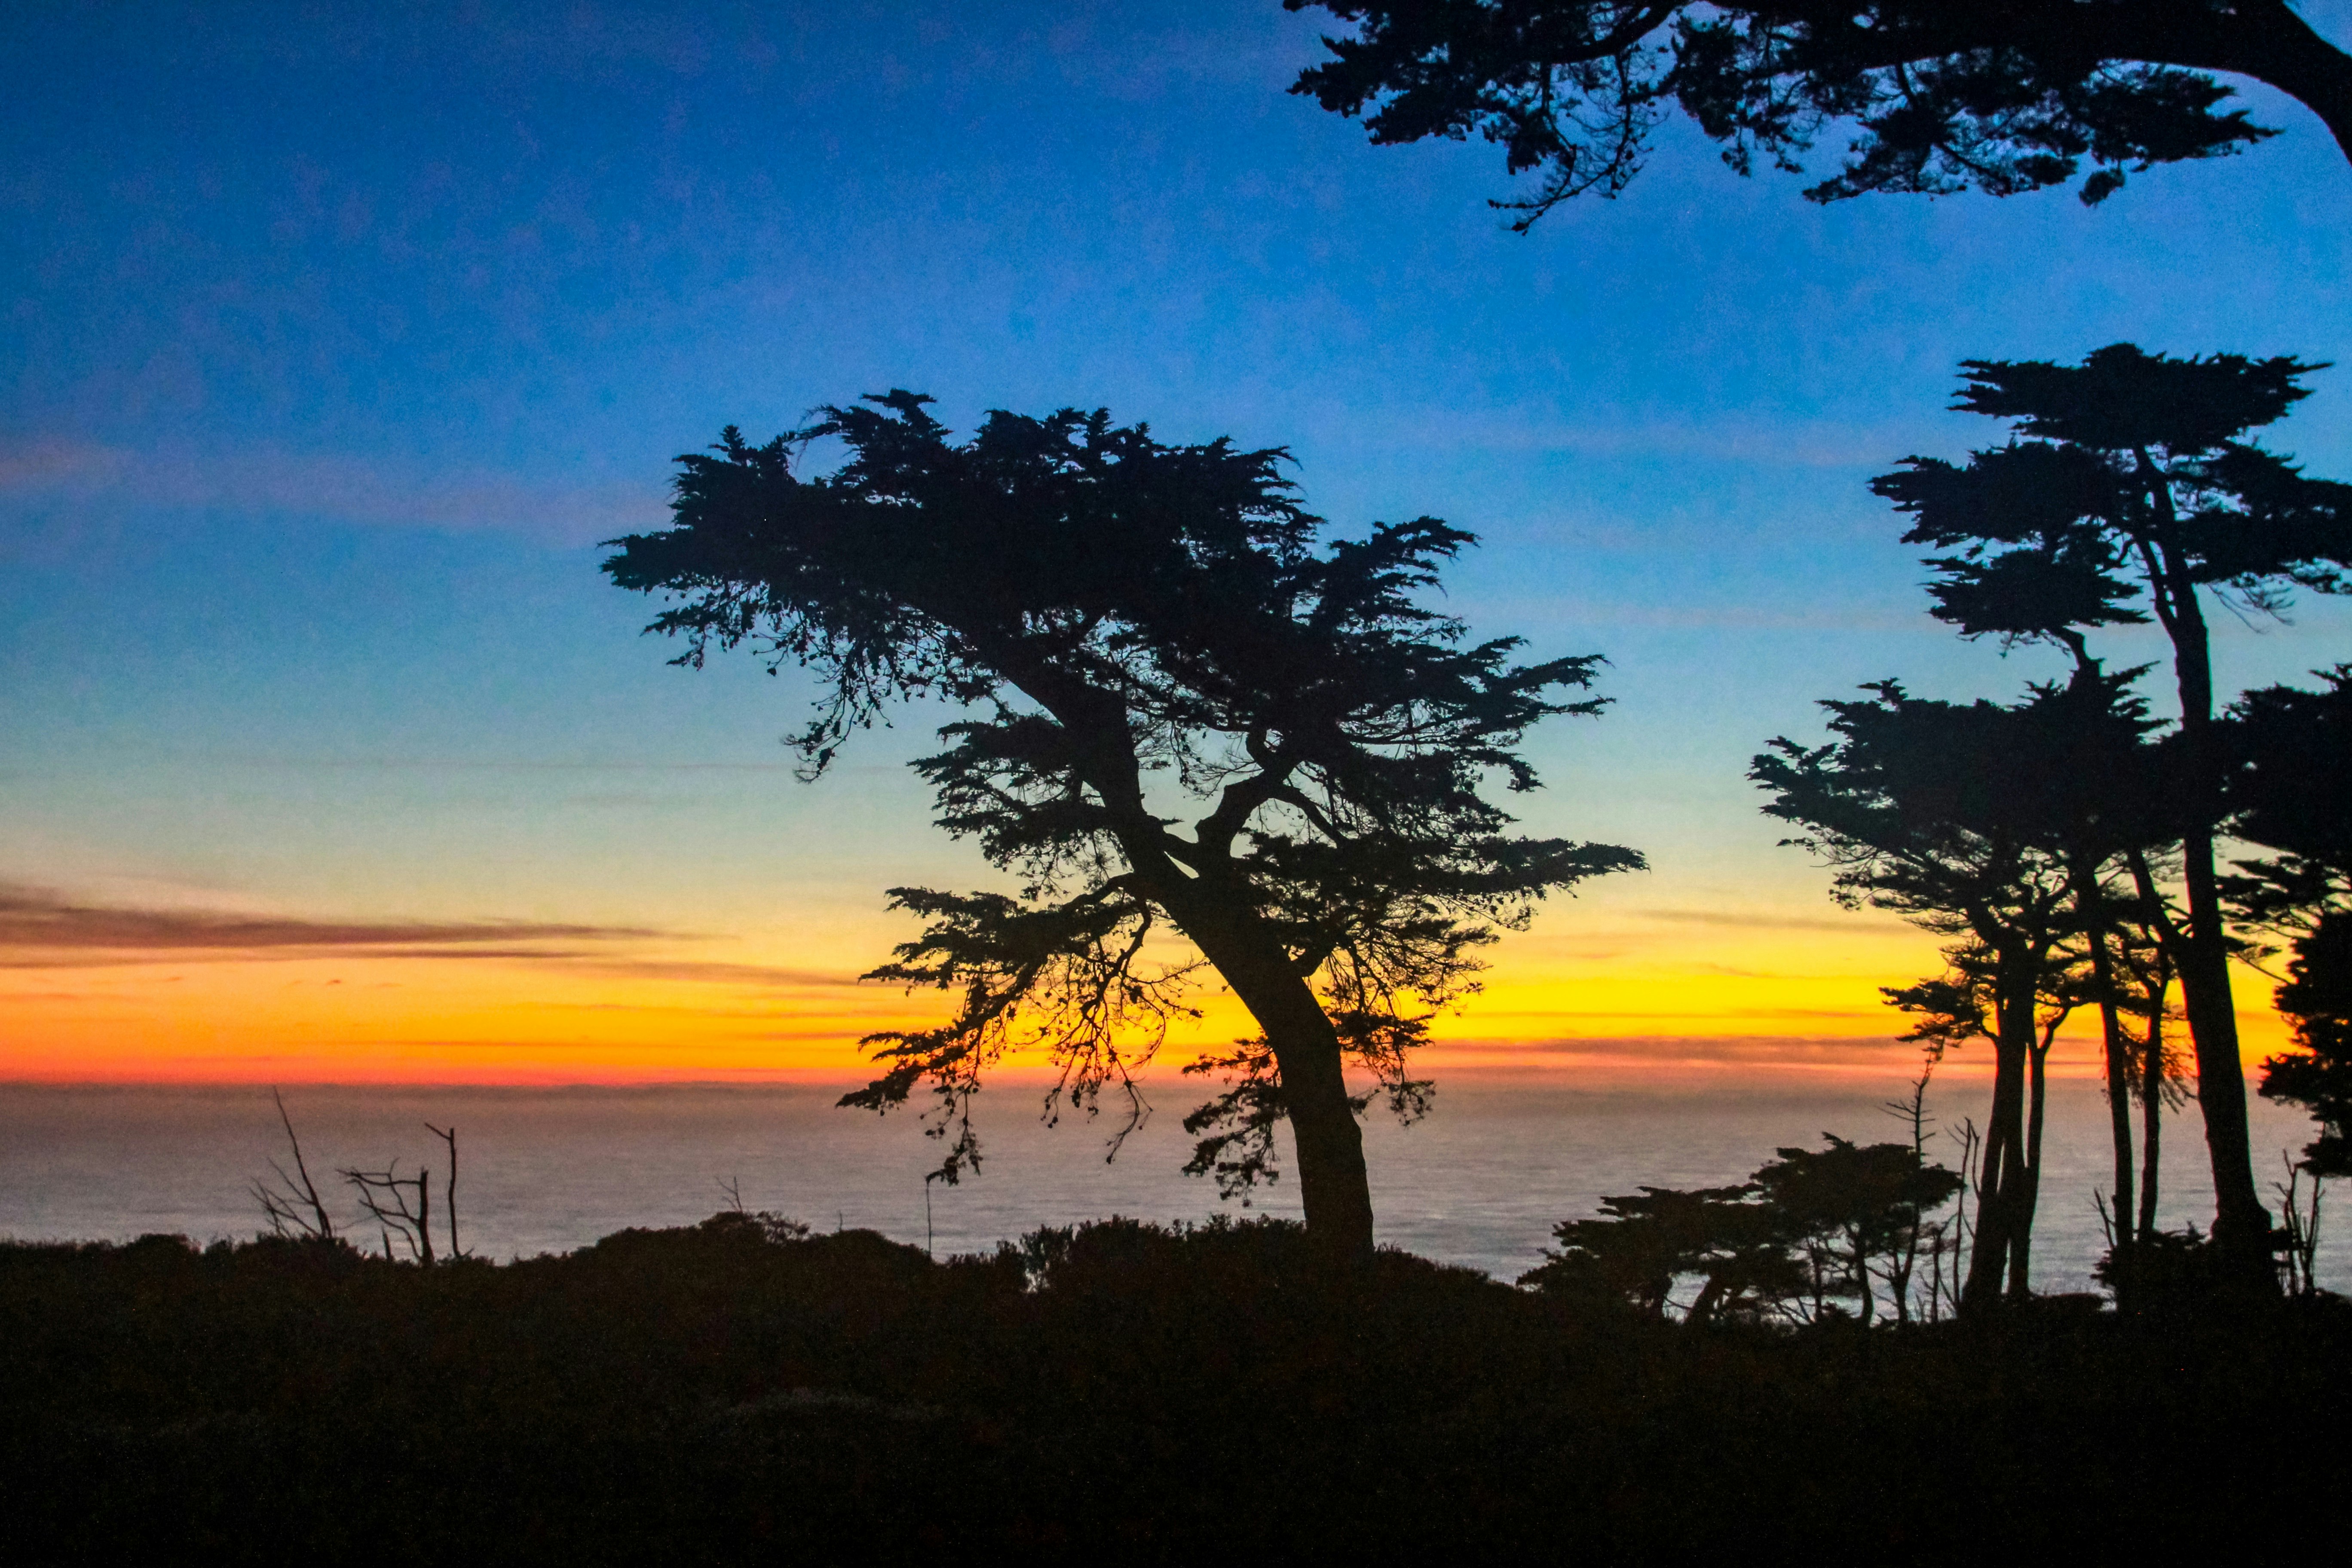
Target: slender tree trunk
[
  {"x": 1333, "y": 1186},
  {"x": 2151, "y": 1088},
  {"x": 1988, "y": 1247},
  {"x": 2119, "y": 1128},
  {"x": 1861, "y": 1257},
  {"x": 2241, "y": 1223},
  {"x": 449, "y": 1136},
  {"x": 424, "y": 1213},
  {"x": 2020, "y": 1246},
  {"x": 2004, "y": 1179}
]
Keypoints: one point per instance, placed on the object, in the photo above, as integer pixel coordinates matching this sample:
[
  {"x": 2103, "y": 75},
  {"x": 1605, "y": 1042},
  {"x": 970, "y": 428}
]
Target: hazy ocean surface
[{"x": 1480, "y": 1182}]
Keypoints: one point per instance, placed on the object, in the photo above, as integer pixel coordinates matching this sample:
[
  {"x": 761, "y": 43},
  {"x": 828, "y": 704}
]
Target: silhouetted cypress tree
[
  {"x": 1815, "y": 1225},
  {"x": 1140, "y": 631},
  {"x": 1641, "y": 1243},
  {"x": 1847, "y": 1205},
  {"x": 1957, "y": 816}
]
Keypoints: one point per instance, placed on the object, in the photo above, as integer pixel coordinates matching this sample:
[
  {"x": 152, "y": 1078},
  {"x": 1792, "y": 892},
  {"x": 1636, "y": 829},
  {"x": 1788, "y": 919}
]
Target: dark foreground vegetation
[{"x": 744, "y": 1391}]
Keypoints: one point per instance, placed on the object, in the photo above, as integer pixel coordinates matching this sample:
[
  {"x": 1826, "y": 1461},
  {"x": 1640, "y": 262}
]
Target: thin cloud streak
[
  {"x": 699, "y": 971},
  {"x": 1747, "y": 441},
  {"x": 1725, "y": 1047},
  {"x": 1746, "y": 922},
  {"x": 333, "y": 485},
  {"x": 1679, "y": 1013},
  {"x": 38, "y": 926}
]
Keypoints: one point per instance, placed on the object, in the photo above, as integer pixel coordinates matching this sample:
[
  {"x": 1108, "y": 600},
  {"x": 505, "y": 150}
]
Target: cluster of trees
[
  {"x": 1141, "y": 630},
  {"x": 1145, "y": 635},
  {"x": 2067, "y": 842},
  {"x": 2293, "y": 750}
]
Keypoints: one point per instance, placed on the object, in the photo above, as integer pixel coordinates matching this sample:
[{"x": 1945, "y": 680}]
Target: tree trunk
[
  {"x": 2151, "y": 1105},
  {"x": 2279, "y": 48},
  {"x": 2263, "y": 40},
  {"x": 2004, "y": 1183},
  {"x": 2117, "y": 1049},
  {"x": 1989, "y": 1248},
  {"x": 1333, "y": 1186},
  {"x": 2021, "y": 1244},
  {"x": 424, "y": 1213},
  {"x": 1859, "y": 1253},
  {"x": 2241, "y": 1223},
  {"x": 1217, "y": 913}
]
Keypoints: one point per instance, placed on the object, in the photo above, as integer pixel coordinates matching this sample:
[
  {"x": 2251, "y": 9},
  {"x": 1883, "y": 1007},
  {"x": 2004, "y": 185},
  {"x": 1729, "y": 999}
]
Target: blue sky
[{"x": 334, "y": 338}]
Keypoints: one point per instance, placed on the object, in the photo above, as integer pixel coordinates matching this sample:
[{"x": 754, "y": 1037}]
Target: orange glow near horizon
[{"x": 1625, "y": 998}]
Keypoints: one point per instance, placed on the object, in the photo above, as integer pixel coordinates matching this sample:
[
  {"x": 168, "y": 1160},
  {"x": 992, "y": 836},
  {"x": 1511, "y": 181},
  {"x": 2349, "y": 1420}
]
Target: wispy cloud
[
  {"x": 271, "y": 482},
  {"x": 1795, "y": 1053},
  {"x": 1747, "y": 441},
  {"x": 1680, "y": 1013},
  {"x": 1765, "y": 920},
  {"x": 383, "y": 765},
  {"x": 696, "y": 971},
  {"x": 43, "y": 929},
  {"x": 1785, "y": 1052}
]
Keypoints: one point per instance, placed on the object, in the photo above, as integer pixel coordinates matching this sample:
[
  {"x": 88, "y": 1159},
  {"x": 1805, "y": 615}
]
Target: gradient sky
[{"x": 331, "y": 338}]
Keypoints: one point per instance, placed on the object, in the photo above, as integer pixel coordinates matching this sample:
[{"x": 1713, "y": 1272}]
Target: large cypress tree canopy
[
  {"x": 1139, "y": 632},
  {"x": 1964, "y": 817},
  {"x": 1942, "y": 96},
  {"x": 2130, "y": 480}
]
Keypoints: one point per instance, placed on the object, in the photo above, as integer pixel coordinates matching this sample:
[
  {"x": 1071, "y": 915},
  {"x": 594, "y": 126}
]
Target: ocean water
[{"x": 1480, "y": 1181}]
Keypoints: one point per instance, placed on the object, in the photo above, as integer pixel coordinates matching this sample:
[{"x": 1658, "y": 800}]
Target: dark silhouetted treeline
[{"x": 742, "y": 1391}]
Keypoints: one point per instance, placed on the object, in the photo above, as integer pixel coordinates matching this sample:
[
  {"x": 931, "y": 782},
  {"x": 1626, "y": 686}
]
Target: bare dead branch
[{"x": 286, "y": 1202}]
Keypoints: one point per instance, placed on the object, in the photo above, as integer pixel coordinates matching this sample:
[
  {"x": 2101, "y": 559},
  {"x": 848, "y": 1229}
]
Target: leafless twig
[{"x": 384, "y": 1195}]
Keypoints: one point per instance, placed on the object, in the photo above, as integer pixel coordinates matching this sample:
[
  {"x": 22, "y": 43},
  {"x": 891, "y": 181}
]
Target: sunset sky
[{"x": 332, "y": 339}]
